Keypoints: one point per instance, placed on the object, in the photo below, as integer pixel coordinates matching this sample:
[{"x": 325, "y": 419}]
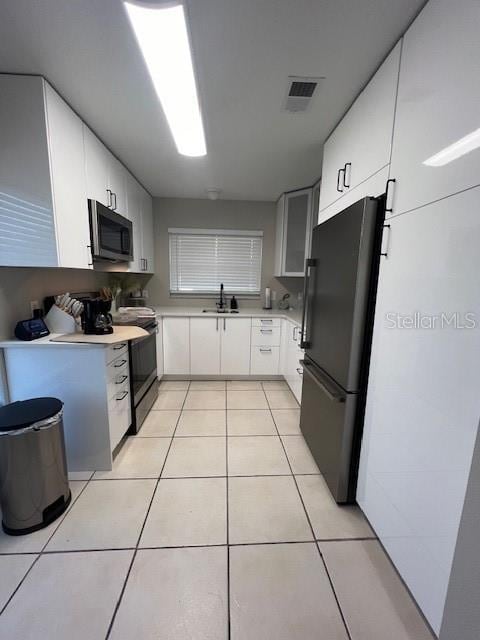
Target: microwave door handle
[{"x": 125, "y": 241}]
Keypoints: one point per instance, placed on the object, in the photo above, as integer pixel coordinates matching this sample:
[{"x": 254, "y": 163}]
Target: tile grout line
[
  {"x": 42, "y": 550},
  {"x": 124, "y": 586},
  {"x": 229, "y": 626},
  {"x": 186, "y": 546},
  {"x": 311, "y": 527}
]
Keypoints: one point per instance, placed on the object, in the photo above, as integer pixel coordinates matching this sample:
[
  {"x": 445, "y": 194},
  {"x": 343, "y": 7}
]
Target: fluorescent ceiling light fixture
[
  {"x": 163, "y": 39},
  {"x": 459, "y": 148}
]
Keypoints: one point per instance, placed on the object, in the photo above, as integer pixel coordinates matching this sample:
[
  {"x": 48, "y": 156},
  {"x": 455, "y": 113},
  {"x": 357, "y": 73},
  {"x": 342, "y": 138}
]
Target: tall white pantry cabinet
[{"x": 423, "y": 404}]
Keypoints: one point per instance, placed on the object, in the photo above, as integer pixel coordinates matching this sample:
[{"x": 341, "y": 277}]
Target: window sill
[{"x": 214, "y": 296}]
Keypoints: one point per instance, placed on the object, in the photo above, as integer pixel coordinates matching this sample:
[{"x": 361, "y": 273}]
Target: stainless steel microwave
[{"x": 111, "y": 234}]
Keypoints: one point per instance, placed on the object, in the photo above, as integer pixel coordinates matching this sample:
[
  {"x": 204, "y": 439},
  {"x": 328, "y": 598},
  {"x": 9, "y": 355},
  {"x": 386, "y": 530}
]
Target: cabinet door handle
[
  {"x": 294, "y": 335},
  {"x": 121, "y": 380},
  {"x": 122, "y": 397},
  {"x": 265, "y": 350},
  {"x": 340, "y": 171},
  {"x": 89, "y": 250},
  {"x": 266, "y": 330},
  {"x": 389, "y": 209},
  {"x": 109, "y": 205},
  {"x": 119, "y": 346},
  {"x": 146, "y": 264},
  {"x": 217, "y": 323},
  {"x": 347, "y": 167},
  {"x": 299, "y": 371},
  {"x": 224, "y": 324},
  {"x": 120, "y": 364},
  {"x": 115, "y": 196},
  {"x": 386, "y": 244},
  {"x": 266, "y": 321}
]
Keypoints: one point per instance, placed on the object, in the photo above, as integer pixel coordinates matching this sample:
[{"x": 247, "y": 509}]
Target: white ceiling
[{"x": 243, "y": 50}]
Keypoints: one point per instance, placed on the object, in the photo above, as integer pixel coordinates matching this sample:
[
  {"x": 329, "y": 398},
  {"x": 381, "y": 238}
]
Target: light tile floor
[{"x": 214, "y": 523}]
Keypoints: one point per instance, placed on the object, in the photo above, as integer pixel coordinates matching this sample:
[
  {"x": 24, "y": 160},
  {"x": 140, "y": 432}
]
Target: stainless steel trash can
[{"x": 34, "y": 488}]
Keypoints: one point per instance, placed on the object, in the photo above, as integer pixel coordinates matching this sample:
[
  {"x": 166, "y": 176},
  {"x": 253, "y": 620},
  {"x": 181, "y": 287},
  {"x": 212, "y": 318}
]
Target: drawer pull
[
  {"x": 299, "y": 371},
  {"x": 265, "y": 351},
  {"x": 266, "y": 330},
  {"x": 120, "y": 364},
  {"x": 266, "y": 321},
  {"x": 122, "y": 397},
  {"x": 121, "y": 380},
  {"x": 120, "y": 346}
]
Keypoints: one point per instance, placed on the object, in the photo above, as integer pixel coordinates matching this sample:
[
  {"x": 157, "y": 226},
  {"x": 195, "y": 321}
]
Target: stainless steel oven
[
  {"x": 143, "y": 372},
  {"x": 111, "y": 234}
]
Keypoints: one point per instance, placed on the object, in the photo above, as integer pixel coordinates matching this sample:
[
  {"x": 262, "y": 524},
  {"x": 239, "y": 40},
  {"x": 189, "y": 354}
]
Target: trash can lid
[{"x": 21, "y": 414}]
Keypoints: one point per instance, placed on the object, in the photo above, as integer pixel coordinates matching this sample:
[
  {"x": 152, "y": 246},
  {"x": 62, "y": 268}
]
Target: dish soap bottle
[{"x": 233, "y": 303}]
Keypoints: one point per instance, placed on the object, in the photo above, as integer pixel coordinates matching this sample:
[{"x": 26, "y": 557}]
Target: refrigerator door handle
[
  {"x": 310, "y": 263},
  {"x": 328, "y": 390}
]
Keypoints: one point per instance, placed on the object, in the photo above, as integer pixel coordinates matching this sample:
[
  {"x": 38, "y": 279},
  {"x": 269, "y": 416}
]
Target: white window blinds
[{"x": 201, "y": 259}]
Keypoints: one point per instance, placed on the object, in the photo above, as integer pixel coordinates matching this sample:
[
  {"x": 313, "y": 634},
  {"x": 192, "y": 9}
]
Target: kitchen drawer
[
  {"x": 119, "y": 416},
  {"x": 265, "y": 336},
  {"x": 266, "y": 322},
  {"x": 117, "y": 367},
  {"x": 117, "y": 350},
  {"x": 119, "y": 381},
  {"x": 264, "y": 360}
]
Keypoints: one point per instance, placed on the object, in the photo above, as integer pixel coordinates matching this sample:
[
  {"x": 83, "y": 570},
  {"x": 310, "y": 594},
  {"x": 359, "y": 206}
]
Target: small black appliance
[
  {"x": 96, "y": 317},
  {"x": 31, "y": 329}
]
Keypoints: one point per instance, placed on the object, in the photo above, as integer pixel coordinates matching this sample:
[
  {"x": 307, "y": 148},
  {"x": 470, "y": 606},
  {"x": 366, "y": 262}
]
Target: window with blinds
[{"x": 201, "y": 259}]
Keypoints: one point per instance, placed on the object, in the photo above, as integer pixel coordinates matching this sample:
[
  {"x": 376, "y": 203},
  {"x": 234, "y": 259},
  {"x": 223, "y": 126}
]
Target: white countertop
[
  {"x": 294, "y": 315},
  {"x": 78, "y": 340}
]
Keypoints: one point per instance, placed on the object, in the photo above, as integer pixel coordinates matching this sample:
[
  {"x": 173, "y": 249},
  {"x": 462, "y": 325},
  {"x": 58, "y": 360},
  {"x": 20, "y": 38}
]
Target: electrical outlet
[{"x": 34, "y": 304}]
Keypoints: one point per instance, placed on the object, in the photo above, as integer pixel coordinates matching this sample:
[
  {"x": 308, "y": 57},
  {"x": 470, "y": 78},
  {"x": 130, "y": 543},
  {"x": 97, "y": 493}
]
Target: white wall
[{"x": 214, "y": 214}]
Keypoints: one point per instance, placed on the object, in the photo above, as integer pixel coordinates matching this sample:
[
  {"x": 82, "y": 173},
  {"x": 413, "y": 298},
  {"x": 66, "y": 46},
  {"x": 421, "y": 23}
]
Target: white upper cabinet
[
  {"x": 96, "y": 168},
  {"x": 148, "y": 249},
  {"x": 294, "y": 232},
  {"x": 65, "y": 134},
  {"x": 438, "y": 105},
  {"x": 134, "y": 214},
  {"x": 361, "y": 144},
  {"x": 373, "y": 186},
  {"x": 117, "y": 184},
  {"x": 43, "y": 213},
  {"x": 139, "y": 210},
  {"x": 106, "y": 176},
  {"x": 235, "y": 353}
]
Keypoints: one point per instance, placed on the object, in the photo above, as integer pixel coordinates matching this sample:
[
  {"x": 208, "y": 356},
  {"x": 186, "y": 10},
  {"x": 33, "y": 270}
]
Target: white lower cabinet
[
  {"x": 265, "y": 361},
  {"x": 176, "y": 345},
  {"x": 291, "y": 354},
  {"x": 220, "y": 346},
  {"x": 235, "y": 348},
  {"x": 160, "y": 368},
  {"x": 92, "y": 381},
  {"x": 205, "y": 345}
]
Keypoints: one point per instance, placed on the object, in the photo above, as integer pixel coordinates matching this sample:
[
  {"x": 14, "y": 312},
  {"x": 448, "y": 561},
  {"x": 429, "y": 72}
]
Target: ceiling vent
[{"x": 300, "y": 91}]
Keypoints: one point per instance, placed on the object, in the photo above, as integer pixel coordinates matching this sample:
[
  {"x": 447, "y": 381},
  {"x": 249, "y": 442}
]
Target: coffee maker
[{"x": 96, "y": 318}]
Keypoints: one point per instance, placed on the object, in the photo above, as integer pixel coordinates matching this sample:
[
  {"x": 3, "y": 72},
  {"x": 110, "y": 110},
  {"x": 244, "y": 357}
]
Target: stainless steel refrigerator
[{"x": 339, "y": 302}]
